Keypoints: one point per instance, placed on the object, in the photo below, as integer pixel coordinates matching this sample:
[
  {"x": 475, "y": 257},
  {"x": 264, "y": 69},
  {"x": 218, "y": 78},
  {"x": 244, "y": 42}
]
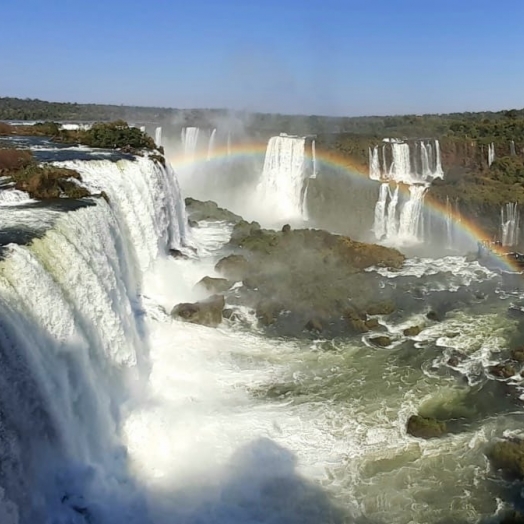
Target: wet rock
[
  {"x": 518, "y": 354},
  {"x": 434, "y": 316},
  {"x": 286, "y": 228},
  {"x": 503, "y": 370},
  {"x": 372, "y": 323},
  {"x": 231, "y": 314},
  {"x": 176, "y": 253},
  {"x": 206, "y": 312},
  {"x": 508, "y": 457},
  {"x": 381, "y": 308},
  {"x": 315, "y": 324},
  {"x": 455, "y": 359},
  {"x": 215, "y": 285},
  {"x": 381, "y": 341},
  {"x": 268, "y": 312},
  {"x": 192, "y": 223},
  {"x": 412, "y": 331},
  {"x": 233, "y": 267},
  {"x": 425, "y": 427}
]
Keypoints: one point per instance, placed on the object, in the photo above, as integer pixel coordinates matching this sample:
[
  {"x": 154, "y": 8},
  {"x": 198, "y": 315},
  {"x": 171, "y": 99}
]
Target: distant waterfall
[
  {"x": 415, "y": 164},
  {"x": 512, "y": 151},
  {"x": 281, "y": 185},
  {"x": 491, "y": 153},
  {"x": 143, "y": 129},
  {"x": 510, "y": 224},
  {"x": 190, "y": 142},
  {"x": 158, "y": 136},
  {"x": 211, "y": 145},
  {"x": 314, "y": 159}
]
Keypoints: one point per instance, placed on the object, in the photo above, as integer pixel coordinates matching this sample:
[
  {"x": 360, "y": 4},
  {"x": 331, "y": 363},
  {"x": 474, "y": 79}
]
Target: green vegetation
[{"x": 40, "y": 181}]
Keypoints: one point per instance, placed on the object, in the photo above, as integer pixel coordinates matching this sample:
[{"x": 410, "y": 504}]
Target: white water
[
  {"x": 314, "y": 159},
  {"x": 281, "y": 187},
  {"x": 414, "y": 164},
  {"x": 190, "y": 143},
  {"x": 211, "y": 145},
  {"x": 72, "y": 334},
  {"x": 510, "y": 224},
  {"x": 13, "y": 197},
  {"x": 158, "y": 136},
  {"x": 491, "y": 153},
  {"x": 512, "y": 148}
]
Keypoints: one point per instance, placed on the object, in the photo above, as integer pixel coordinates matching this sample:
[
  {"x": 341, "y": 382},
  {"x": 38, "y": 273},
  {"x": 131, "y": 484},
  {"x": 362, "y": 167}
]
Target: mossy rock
[
  {"x": 508, "y": 456},
  {"x": 215, "y": 285},
  {"x": 206, "y": 312},
  {"x": 412, "y": 331},
  {"x": 425, "y": 427},
  {"x": 381, "y": 308},
  {"x": 381, "y": 340},
  {"x": 372, "y": 323},
  {"x": 518, "y": 354},
  {"x": 209, "y": 210}
]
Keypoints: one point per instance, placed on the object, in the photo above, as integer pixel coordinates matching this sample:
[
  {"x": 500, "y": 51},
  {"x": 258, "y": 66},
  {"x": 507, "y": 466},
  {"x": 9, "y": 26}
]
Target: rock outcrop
[{"x": 206, "y": 312}]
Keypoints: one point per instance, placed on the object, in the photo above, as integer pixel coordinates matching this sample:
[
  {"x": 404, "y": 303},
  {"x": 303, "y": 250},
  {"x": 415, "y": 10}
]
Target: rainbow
[{"x": 350, "y": 168}]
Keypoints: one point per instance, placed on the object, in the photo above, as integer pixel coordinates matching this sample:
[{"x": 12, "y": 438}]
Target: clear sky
[{"x": 338, "y": 57}]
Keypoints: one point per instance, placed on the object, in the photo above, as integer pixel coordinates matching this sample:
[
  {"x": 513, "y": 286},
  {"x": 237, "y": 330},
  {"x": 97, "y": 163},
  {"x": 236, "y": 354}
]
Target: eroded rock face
[{"x": 205, "y": 312}]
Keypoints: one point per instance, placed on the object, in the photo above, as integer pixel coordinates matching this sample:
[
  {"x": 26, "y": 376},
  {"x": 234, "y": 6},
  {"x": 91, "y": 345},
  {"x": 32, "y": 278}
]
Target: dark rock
[
  {"x": 508, "y": 456},
  {"x": 267, "y": 312},
  {"x": 176, "y": 253},
  {"x": 382, "y": 308},
  {"x": 233, "y": 267},
  {"x": 372, "y": 323},
  {"x": 286, "y": 228},
  {"x": 381, "y": 340},
  {"x": 425, "y": 427},
  {"x": 412, "y": 331},
  {"x": 206, "y": 312},
  {"x": 192, "y": 223},
  {"x": 455, "y": 359},
  {"x": 215, "y": 285},
  {"x": 434, "y": 316},
  {"x": 503, "y": 370}
]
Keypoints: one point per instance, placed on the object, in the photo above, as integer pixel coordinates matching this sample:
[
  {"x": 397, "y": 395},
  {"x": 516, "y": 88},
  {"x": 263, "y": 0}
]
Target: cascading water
[
  {"x": 512, "y": 151},
  {"x": 158, "y": 136},
  {"x": 73, "y": 345},
  {"x": 491, "y": 153},
  {"x": 281, "y": 185},
  {"x": 414, "y": 164},
  {"x": 314, "y": 159},
  {"x": 510, "y": 224},
  {"x": 190, "y": 142},
  {"x": 211, "y": 145}
]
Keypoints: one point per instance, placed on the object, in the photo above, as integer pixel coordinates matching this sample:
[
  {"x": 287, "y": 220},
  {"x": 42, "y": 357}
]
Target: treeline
[{"x": 482, "y": 125}]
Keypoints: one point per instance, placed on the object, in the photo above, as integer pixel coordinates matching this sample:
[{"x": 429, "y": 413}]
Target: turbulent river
[{"x": 112, "y": 412}]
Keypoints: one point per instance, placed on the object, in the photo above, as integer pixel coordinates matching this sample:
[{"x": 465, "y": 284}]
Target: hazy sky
[{"x": 351, "y": 57}]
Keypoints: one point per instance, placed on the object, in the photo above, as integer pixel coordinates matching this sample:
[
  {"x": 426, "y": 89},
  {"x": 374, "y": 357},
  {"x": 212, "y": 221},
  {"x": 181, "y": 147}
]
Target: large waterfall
[
  {"x": 73, "y": 345},
  {"x": 189, "y": 137},
  {"x": 282, "y": 184},
  {"x": 414, "y": 165},
  {"x": 510, "y": 224}
]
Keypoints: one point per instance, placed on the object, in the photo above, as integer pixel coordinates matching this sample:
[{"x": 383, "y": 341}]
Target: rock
[
  {"x": 512, "y": 517},
  {"x": 176, "y": 253},
  {"x": 267, "y": 312},
  {"x": 381, "y": 341},
  {"x": 425, "y": 427},
  {"x": 206, "y": 312},
  {"x": 518, "y": 354},
  {"x": 503, "y": 370},
  {"x": 382, "y": 308},
  {"x": 434, "y": 316},
  {"x": 286, "y": 228},
  {"x": 192, "y": 223},
  {"x": 372, "y": 323},
  {"x": 455, "y": 359},
  {"x": 215, "y": 285},
  {"x": 412, "y": 331},
  {"x": 198, "y": 210},
  {"x": 358, "y": 325},
  {"x": 508, "y": 456},
  {"x": 233, "y": 267},
  {"x": 314, "y": 324}
]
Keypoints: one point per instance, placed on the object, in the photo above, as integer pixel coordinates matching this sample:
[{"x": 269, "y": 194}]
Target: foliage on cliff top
[{"x": 40, "y": 181}]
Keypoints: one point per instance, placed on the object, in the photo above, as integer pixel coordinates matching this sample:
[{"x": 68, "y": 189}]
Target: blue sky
[{"x": 352, "y": 57}]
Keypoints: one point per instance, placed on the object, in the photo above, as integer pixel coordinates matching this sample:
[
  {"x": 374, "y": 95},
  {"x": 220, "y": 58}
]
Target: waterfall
[
  {"x": 281, "y": 185},
  {"x": 190, "y": 142},
  {"x": 379, "y": 227},
  {"x": 409, "y": 228},
  {"x": 374, "y": 164},
  {"x": 73, "y": 345},
  {"x": 158, "y": 136},
  {"x": 510, "y": 224},
  {"x": 143, "y": 129},
  {"x": 211, "y": 145},
  {"x": 512, "y": 148},
  {"x": 491, "y": 153},
  {"x": 314, "y": 159},
  {"x": 415, "y": 164}
]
